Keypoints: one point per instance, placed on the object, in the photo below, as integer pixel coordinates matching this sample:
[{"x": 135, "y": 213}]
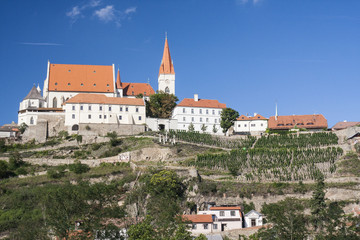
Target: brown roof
[
  {"x": 316, "y": 121},
  {"x": 247, "y": 118},
  {"x": 343, "y": 125},
  {"x": 81, "y": 78},
  {"x": 102, "y": 99},
  {"x": 166, "y": 66},
  {"x": 190, "y": 102},
  {"x": 201, "y": 218},
  {"x": 118, "y": 81},
  {"x": 133, "y": 89}
]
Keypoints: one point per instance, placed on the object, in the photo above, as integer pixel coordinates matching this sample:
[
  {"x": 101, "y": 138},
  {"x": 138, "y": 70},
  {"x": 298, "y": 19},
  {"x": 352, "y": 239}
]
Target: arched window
[
  {"x": 75, "y": 127},
  {"x": 167, "y": 90},
  {"x": 31, "y": 120},
  {"x": 54, "y": 102}
]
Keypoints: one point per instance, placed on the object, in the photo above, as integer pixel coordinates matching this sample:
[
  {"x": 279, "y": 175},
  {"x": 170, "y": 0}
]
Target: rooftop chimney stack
[{"x": 196, "y": 97}]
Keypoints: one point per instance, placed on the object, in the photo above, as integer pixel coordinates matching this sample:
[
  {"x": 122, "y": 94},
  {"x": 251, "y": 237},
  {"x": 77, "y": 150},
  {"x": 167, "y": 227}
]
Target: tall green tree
[
  {"x": 318, "y": 205},
  {"x": 161, "y": 105},
  {"x": 228, "y": 117},
  {"x": 191, "y": 127}
]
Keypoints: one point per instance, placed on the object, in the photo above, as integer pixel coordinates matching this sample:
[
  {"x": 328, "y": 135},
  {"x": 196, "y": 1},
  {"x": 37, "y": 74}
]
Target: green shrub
[
  {"x": 21, "y": 171},
  {"x": 79, "y": 167},
  {"x": 207, "y": 188},
  {"x": 56, "y": 172}
]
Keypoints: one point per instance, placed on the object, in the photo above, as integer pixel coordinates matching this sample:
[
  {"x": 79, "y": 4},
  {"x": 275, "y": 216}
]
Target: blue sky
[{"x": 249, "y": 54}]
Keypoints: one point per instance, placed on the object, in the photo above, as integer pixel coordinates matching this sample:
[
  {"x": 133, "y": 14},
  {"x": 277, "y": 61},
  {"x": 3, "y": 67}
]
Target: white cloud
[
  {"x": 106, "y": 14},
  {"x": 74, "y": 12},
  {"x": 130, "y": 10},
  {"x": 243, "y": 2}
]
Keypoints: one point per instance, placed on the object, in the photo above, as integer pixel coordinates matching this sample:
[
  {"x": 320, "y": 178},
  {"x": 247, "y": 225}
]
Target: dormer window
[
  {"x": 69, "y": 84},
  {"x": 94, "y": 84},
  {"x": 107, "y": 85},
  {"x": 56, "y": 84},
  {"x": 82, "y": 84},
  {"x": 132, "y": 92},
  {"x": 94, "y": 71},
  {"x": 69, "y": 70}
]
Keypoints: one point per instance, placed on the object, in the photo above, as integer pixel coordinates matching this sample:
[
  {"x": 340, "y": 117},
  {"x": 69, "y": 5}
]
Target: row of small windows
[
  {"x": 101, "y": 116},
  {"x": 201, "y": 119},
  {"x": 202, "y": 111},
  {"x": 205, "y": 226},
  {"x": 69, "y": 84},
  {"x": 101, "y": 108},
  {"x": 252, "y": 125}
]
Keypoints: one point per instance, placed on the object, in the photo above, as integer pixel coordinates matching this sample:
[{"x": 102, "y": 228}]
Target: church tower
[{"x": 166, "y": 78}]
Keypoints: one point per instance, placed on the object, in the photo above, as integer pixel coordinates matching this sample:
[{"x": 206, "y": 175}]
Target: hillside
[{"x": 228, "y": 171}]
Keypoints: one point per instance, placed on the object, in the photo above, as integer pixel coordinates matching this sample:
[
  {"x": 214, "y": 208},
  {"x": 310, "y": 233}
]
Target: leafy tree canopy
[
  {"x": 161, "y": 105},
  {"x": 228, "y": 117}
]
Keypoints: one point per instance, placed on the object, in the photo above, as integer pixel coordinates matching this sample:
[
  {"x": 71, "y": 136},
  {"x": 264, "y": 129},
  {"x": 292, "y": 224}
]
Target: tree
[
  {"x": 191, "y": 127},
  {"x": 318, "y": 205},
  {"x": 140, "y": 95},
  {"x": 143, "y": 230},
  {"x": 201, "y": 237},
  {"x": 214, "y": 129},
  {"x": 161, "y": 105},
  {"x": 228, "y": 117},
  {"x": 287, "y": 218},
  {"x": 203, "y": 128},
  {"x": 23, "y": 127},
  {"x": 15, "y": 160}
]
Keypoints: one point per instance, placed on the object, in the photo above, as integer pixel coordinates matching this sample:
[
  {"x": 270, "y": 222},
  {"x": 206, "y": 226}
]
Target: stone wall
[
  {"x": 103, "y": 129},
  {"x": 37, "y": 132}
]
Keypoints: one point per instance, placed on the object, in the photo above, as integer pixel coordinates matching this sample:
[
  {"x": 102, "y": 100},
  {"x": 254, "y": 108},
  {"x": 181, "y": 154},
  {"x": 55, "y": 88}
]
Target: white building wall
[
  {"x": 232, "y": 222},
  {"x": 76, "y": 113},
  {"x": 250, "y": 126},
  {"x": 199, "y": 228},
  {"x": 167, "y": 80},
  {"x": 198, "y": 116},
  {"x": 61, "y": 97},
  {"x": 258, "y": 219},
  {"x": 153, "y": 123}
]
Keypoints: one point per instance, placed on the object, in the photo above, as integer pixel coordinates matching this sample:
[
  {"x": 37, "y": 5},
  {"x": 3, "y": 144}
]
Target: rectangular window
[
  {"x": 232, "y": 213},
  {"x": 192, "y": 110},
  {"x": 194, "y": 226},
  {"x": 200, "y": 119},
  {"x": 100, "y": 116},
  {"x": 109, "y": 109},
  {"x": 120, "y": 109},
  {"x": 100, "y": 108},
  {"x": 73, "y": 107},
  {"x": 207, "y": 120},
  {"x": 207, "y": 111},
  {"x": 206, "y": 226},
  {"x": 89, "y": 108},
  {"x": 192, "y": 119},
  {"x": 73, "y": 116},
  {"x": 213, "y": 112},
  {"x": 139, "y": 118},
  {"x": 184, "y": 119},
  {"x": 219, "y": 112},
  {"x": 253, "y": 125},
  {"x": 120, "y": 117},
  {"x": 215, "y": 226},
  {"x": 262, "y": 124},
  {"x": 253, "y": 222},
  {"x": 222, "y": 213},
  {"x": 183, "y": 110},
  {"x": 239, "y": 125},
  {"x": 81, "y": 107},
  {"x": 89, "y": 116},
  {"x": 104, "y": 116},
  {"x": 200, "y": 111},
  {"x": 137, "y": 109},
  {"x": 215, "y": 120},
  {"x": 126, "y": 109}
]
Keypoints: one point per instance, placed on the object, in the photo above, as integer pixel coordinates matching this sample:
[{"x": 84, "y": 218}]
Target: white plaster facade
[
  {"x": 156, "y": 124},
  {"x": 79, "y": 113},
  {"x": 167, "y": 83},
  {"x": 253, "y": 219},
  {"x": 225, "y": 218},
  {"x": 198, "y": 116},
  {"x": 252, "y": 125}
]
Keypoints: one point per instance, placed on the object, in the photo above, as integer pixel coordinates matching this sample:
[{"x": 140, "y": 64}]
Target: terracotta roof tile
[
  {"x": 102, "y": 99},
  {"x": 133, "y": 89},
  {"x": 118, "y": 80},
  {"x": 190, "y": 102},
  {"x": 200, "y": 218},
  {"x": 316, "y": 121},
  {"x": 343, "y": 125},
  {"x": 247, "y": 118},
  {"x": 166, "y": 66},
  {"x": 81, "y": 78}
]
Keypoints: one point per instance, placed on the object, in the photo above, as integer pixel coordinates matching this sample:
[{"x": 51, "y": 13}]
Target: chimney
[
  {"x": 196, "y": 97},
  {"x": 255, "y": 114}
]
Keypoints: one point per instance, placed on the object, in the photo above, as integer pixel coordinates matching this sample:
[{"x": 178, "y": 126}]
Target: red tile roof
[
  {"x": 315, "y": 121},
  {"x": 343, "y": 125},
  {"x": 81, "y": 78},
  {"x": 190, "y": 102},
  {"x": 249, "y": 118},
  {"x": 200, "y": 218},
  {"x": 166, "y": 66},
  {"x": 118, "y": 81},
  {"x": 102, "y": 99},
  {"x": 133, "y": 89}
]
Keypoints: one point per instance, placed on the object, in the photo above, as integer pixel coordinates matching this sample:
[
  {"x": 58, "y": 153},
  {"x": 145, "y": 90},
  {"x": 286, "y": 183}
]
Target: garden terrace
[
  {"x": 283, "y": 164},
  {"x": 207, "y": 139},
  {"x": 307, "y": 140}
]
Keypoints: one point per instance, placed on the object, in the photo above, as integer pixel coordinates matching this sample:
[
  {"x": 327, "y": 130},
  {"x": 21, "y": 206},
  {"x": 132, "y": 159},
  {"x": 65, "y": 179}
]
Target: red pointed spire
[
  {"x": 166, "y": 66},
  {"x": 118, "y": 81}
]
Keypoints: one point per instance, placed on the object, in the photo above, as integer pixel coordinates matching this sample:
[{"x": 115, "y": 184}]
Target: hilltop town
[{"x": 98, "y": 158}]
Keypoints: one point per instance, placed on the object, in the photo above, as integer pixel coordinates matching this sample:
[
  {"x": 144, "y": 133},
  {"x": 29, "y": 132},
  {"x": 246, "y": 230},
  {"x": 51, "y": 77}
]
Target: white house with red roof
[
  {"x": 199, "y": 112},
  {"x": 253, "y": 125}
]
